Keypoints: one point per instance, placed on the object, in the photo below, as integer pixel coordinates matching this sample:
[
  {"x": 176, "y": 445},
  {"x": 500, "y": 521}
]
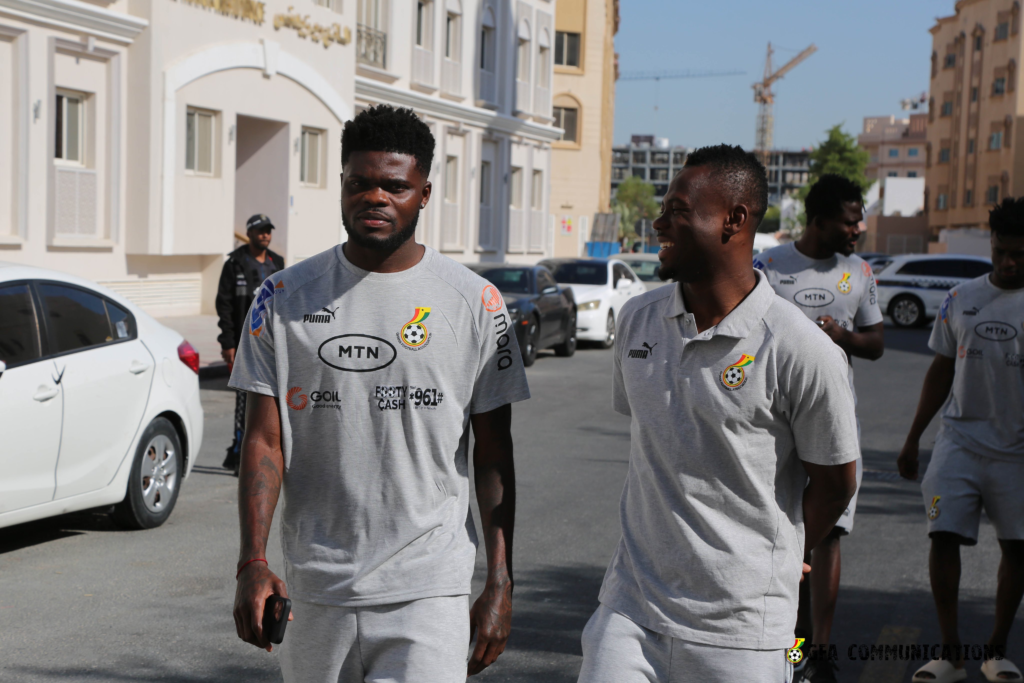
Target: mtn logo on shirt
[{"x": 996, "y": 331}]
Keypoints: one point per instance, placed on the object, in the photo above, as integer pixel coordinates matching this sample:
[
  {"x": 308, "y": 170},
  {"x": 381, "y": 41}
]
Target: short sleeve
[
  {"x": 943, "y": 339},
  {"x": 500, "y": 375},
  {"x": 868, "y": 312},
  {"x": 814, "y": 378},
  {"x": 620, "y": 400},
  {"x": 255, "y": 366}
]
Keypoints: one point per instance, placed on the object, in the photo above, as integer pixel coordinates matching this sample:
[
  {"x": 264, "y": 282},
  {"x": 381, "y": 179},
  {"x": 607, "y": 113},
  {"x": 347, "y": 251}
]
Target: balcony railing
[
  {"x": 76, "y": 202},
  {"x": 451, "y": 77},
  {"x": 537, "y": 231},
  {"x": 488, "y": 89},
  {"x": 516, "y": 234},
  {"x": 422, "y": 66},
  {"x": 372, "y": 46}
]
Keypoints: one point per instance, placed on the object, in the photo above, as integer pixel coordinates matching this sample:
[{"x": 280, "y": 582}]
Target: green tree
[
  {"x": 839, "y": 154},
  {"x": 634, "y": 199}
]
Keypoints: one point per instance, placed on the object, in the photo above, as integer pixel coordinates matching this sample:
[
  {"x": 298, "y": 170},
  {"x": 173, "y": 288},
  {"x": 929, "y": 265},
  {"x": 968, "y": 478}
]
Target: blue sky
[{"x": 871, "y": 54}]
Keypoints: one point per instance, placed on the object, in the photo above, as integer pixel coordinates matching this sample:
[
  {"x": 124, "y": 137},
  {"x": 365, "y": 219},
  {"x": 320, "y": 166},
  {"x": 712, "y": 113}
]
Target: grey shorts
[
  {"x": 958, "y": 484},
  {"x": 408, "y": 642},
  {"x": 618, "y": 650}
]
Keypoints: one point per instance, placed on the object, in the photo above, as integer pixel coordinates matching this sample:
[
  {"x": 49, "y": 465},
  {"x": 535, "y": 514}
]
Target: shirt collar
[{"x": 741, "y": 319}]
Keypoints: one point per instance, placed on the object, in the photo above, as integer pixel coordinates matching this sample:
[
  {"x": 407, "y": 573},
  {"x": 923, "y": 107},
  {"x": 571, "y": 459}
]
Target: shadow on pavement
[
  {"x": 912, "y": 340},
  {"x": 128, "y": 673},
  {"x": 54, "y": 528}
]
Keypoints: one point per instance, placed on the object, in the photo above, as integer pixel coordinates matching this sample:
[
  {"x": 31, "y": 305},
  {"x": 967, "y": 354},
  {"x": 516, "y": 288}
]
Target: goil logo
[
  {"x": 295, "y": 402},
  {"x": 492, "y": 299}
]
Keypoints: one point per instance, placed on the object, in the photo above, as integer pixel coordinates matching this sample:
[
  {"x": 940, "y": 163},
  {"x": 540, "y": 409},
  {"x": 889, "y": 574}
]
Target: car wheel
[
  {"x": 609, "y": 334},
  {"x": 906, "y": 311},
  {"x": 530, "y": 342},
  {"x": 568, "y": 347},
  {"x": 155, "y": 478}
]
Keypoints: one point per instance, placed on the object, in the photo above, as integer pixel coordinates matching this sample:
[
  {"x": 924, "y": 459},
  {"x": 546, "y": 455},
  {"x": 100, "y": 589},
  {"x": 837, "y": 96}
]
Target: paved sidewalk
[{"x": 201, "y": 332}]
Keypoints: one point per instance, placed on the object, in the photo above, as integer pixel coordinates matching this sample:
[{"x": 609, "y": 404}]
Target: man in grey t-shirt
[
  {"x": 742, "y": 451},
  {"x": 366, "y": 365},
  {"x": 836, "y": 288},
  {"x": 978, "y": 459}
]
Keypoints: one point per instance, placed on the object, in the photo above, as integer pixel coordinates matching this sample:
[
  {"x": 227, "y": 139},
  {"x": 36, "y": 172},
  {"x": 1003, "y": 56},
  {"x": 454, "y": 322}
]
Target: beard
[{"x": 389, "y": 243}]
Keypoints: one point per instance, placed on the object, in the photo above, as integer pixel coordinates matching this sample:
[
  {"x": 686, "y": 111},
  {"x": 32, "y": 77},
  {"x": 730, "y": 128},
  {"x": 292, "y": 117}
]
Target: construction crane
[
  {"x": 764, "y": 96},
  {"x": 666, "y": 75}
]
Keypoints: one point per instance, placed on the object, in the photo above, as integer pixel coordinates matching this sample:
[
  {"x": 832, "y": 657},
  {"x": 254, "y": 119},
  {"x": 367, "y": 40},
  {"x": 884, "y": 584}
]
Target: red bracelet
[{"x": 258, "y": 559}]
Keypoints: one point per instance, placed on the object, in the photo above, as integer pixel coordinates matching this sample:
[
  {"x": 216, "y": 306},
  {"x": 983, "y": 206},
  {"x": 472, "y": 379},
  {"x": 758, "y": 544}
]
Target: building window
[
  {"x": 451, "y": 180},
  {"x": 893, "y": 174},
  {"x": 974, "y": 94},
  {"x": 567, "y": 49},
  {"x": 944, "y": 155},
  {"x": 329, "y": 4},
  {"x": 678, "y": 158},
  {"x": 566, "y": 118},
  {"x": 543, "y": 67},
  {"x": 639, "y": 157},
  {"x": 911, "y": 174},
  {"x": 309, "y": 171},
  {"x": 485, "y": 182},
  {"x": 912, "y": 152},
  {"x": 619, "y": 173},
  {"x": 69, "y": 142},
  {"x": 968, "y": 197},
  {"x": 970, "y": 146},
  {"x": 422, "y": 23},
  {"x": 659, "y": 174},
  {"x": 1002, "y": 31},
  {"x": 487, "y": 48},
  {"x": 523, "y": 58},
  {"x": 515, "y": 198},
  {"x": 995, "y": 140},
  {"x": 977, "y": 43},
  {"x": 537, "y": 191},
  {"x": 992, "y": 194},
  {"x": 620, "y": 156},
  {"x": 947, "y": 109},
  {"x": 640, "y": 173},
  {"x": 999, "y": 86},
  {"x": 199, "y": 142},
  {"x": 941, "y": 202},
  {"x": 371, "y": 33},
  {"x": 659, "y": 158},
  {"x": 950, "y": 61},
  {"x": 451, "y": 37},
  {"x": 894, "y": 152}
]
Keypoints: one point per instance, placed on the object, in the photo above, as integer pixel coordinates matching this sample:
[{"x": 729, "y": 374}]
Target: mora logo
[
  {"x": 492, "y": 299},
  {"x": 295, "y": 402},
  {"x": 259, "y": 311}
]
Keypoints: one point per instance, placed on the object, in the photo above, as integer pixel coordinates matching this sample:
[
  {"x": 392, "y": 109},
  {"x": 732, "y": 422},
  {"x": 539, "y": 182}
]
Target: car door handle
[
  {"x": 45, "y": 393},
  {"x": 138, "y": 367}
]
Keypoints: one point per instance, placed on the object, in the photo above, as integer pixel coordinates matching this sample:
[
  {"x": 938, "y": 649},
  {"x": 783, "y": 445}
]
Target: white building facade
[
  {"x": 137, "y": 136},
  {"x": 479, "y": 72}
]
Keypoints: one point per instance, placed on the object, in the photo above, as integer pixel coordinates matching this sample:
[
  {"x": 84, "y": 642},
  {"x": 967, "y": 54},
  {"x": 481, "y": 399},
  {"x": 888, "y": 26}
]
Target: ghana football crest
[
  {"x": 844, "y": 285},
  {"x": 933, "y": 511},
  {"x": 414, "y": 334},
  {"x": 734, "y": 376},
  {"x": 795, "y": 654}
]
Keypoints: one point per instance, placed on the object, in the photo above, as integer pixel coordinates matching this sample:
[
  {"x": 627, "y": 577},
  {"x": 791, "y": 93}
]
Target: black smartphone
[{"x": 275, "y": 618}]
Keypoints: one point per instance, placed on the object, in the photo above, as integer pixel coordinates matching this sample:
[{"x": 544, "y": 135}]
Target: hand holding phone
[{"x": 275, "y": 618}]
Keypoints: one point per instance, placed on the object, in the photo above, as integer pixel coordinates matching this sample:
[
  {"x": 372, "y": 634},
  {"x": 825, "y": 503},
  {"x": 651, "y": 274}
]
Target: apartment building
[
  {"x": 136, "y": 136},
  {"x": 480, "y": 74},
  {"x": 584, "y": 108},
  {"x": 788, "y": 171},
  {"x": 649, "y": 158},
  {"x": 974, "y": 110},
  {"x": 897, "y": 146}
]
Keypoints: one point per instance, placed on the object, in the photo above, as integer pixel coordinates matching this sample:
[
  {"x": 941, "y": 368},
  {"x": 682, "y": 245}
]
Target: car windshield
[
  {"x": 511, "y": 280},
  {"x": 645, "y": 270},
  {"x": 581, "y": 273}
]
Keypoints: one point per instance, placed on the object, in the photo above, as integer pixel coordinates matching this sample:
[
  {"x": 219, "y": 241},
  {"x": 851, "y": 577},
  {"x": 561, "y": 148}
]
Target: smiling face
[
  {"x": 839, "y": 234},
  {"x": 693, "y": 229},
  {"x": 1007, "y": 261},
  {"x": 381, "y": 197}
]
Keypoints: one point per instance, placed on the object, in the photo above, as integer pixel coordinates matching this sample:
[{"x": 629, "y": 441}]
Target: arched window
[
  {"x": 523, "y": 52},
  {"x": 488, "y": 54},
  {"x": 544, "y": 59},
  {"x": 568, "y": 116},
  {"x": 372, "y": 32}
]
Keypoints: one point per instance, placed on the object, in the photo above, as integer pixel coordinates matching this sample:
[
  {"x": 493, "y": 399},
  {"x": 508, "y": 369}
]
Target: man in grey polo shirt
[{"x": 743, "y": 449}]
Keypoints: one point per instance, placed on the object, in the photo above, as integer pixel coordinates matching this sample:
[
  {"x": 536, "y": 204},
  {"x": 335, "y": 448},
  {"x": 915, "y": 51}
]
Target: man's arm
[
  {"x": 827, "y": 494},
  {"x": 867, "y": 342},
  {"x": 938, "y": 382},
  {"x": 259, "y": 485},
  {"x": 224, "y": 303},
  {"x": 495, "y": 478}
]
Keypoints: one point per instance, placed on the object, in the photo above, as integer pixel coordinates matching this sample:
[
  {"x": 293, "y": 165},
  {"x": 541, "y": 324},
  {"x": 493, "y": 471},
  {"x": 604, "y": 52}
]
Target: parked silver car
[{"x": 911, "y": 287}]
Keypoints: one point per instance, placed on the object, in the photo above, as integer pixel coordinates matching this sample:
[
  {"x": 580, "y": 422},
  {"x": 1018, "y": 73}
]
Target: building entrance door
[{"x": 261, "y": 176}]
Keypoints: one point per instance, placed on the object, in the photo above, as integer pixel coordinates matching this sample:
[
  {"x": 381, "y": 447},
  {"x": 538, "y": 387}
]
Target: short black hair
[
  {"x": 386, "y": 129},
  {"x": 1007, "y": 219},
  {"x": 827, "y": 195},
  {"x": 739, "y": 172}
]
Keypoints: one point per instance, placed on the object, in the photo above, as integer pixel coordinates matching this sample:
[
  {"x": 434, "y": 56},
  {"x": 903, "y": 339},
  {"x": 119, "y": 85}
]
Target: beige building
[
  {"x": 479, "y": 73},
  {"x": 974, "y": 157},
  {"x": 897, "y": 146},
  {"x": 584, "y": 106},
  {"x": 136, "y": 136}
]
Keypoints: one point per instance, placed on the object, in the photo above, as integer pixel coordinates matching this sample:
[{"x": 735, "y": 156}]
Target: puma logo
[
  {"x": 649, "y": 348},
  {"x": 641, "y": 353},
  {"x": 327, "y": 310}
]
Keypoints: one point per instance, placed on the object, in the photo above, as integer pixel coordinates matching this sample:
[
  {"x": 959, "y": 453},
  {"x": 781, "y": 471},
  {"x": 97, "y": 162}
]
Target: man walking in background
[
  {"x": 978, "y": 459},
  {"x": 835, "y": 288},
  {"x": 240, "y": 279},
  {"x": 742, "y": 449}
]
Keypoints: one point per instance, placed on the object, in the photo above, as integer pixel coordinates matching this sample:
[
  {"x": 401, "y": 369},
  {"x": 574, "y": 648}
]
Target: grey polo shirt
[{"x": 712, "y": 518}]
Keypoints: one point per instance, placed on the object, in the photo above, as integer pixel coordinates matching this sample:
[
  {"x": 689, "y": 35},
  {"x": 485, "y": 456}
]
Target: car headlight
[
  {"x": 589, "y": 305},
  {"x": 515, "y": 314}
]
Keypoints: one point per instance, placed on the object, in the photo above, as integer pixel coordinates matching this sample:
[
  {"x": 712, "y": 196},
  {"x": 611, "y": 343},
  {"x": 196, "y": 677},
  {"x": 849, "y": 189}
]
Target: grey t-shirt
[
  {"x": 982, "y": 327},
  {"x": 712, "y": 518},
  {"x": 377, "y": 375}
]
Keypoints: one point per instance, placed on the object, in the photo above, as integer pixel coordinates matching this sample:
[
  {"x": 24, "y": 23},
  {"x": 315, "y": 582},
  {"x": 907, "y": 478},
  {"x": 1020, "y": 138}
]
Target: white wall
[{"x": 903, "y": 196}]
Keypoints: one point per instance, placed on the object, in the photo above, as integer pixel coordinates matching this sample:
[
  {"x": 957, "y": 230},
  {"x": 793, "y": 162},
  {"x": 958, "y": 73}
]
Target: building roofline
[
  {"x": 75, "y": 15},
  {"x": 941, "y": 20}
]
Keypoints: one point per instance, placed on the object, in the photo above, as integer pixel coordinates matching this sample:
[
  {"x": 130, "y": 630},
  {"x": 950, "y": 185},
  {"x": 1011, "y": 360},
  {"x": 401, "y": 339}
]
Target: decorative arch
[
  {"x": 544, "y": 39},
  {"x": 453, "y": 6},
  {"x": 524, "y": 30},
  {"x": 487, "y": 19},
  {"x": 569, "y": 101},
  {"x": 265, "y": 55}
]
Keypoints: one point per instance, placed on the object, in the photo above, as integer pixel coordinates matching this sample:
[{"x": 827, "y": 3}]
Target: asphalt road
[{"x": 83, "y": 601}]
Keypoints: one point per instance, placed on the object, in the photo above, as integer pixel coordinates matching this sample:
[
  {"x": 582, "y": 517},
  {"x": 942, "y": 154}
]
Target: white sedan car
[
  {"x": 646, "y": 267},
  {"x": 912, "y": 287},
  {"x": 99, "y": 403},
  {"x": 600, "y": 287}
]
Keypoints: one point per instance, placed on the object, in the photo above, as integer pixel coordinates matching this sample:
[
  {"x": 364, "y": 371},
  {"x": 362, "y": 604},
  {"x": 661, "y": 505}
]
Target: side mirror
[
  {"x": 549, "y": 290},
  {"x": 623, "y": 284}
]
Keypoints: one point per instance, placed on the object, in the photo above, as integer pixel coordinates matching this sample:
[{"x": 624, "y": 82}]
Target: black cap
[{"x": 258, "y": 221}]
